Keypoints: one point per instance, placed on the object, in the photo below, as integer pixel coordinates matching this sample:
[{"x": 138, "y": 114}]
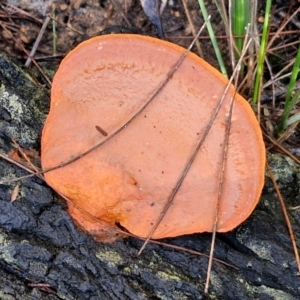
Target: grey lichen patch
[
  {"x": 112, "y": 258},
  {"x": 37, "y": 269},
  {"x": 168, "y": 277},
  {"x": 285, "y": 170},
  {"x": 262, "y": 249},
  {"x": 5, "y": 254},
  {"x": 23, "y": 255},
  {"x": 24, "y": 138},
  {"x": 7, "y": 175},
  {"x": 215, "y": 282},
  {"x": 23, "y": 105},
  {"x": 173, "y": 280},
  {"x": 11, "y": 103},
  {"x": 175, "y": 296},
  {"x": 270, "y": 293},
  {"x": 5, "y": 296},
  {"x": 163, "y": 270},
  {"x": 18, "y": 114}
]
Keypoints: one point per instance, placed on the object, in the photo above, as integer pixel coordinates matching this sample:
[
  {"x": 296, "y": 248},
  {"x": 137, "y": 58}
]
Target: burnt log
[{"x": 43, "y": 255}]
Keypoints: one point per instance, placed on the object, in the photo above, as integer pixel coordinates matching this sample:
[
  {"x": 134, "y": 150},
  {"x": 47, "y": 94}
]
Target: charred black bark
[{"x": 44, "y": 256}]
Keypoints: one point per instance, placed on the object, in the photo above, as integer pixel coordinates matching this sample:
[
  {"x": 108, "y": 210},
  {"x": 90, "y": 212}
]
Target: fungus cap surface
[{"x": 128, "y": 180}]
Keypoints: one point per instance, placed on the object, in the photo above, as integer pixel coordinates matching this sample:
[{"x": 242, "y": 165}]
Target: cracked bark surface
[{"x": 39, "y": 243}]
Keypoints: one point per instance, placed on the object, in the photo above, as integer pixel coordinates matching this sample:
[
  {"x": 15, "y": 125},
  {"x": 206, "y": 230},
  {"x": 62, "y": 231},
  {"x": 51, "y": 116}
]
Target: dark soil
[
  {"x": 42, "y": 253},
  {"x": 78, "y": 20}
]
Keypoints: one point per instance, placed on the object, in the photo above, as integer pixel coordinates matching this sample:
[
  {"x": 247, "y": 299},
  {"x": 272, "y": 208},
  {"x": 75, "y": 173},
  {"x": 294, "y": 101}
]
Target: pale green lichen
[
  {"x": 24, "y": 104},
  {"x": 216, "y": 283},
  {"x": 112, "y": 258},
  {"x": 167, "y": 276},
  {"x": 12, "y": 104},
  {"x": 5, "y": 296},
  {"x": 175, "y": 296},
  {"x": 261, "y": 248},
  {"x": 285, "y": 170},
  {"x": 5, "y": 252},
  {"x": 271, "y": 292},
  {"x": 18, "y": 112}
]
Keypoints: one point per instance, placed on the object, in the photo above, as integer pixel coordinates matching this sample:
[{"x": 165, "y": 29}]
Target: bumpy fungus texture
[{"x": 128, "y": 180}]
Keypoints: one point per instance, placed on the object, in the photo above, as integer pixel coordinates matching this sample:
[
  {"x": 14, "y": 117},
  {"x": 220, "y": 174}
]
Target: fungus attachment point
[{"x": 106, "y": 80}]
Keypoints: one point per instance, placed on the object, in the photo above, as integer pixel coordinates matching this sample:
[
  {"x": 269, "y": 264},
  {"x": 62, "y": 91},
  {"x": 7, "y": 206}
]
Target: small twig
[
  {"x": 26, "y": 52},
  {"x": 20, "y": 165},
  {"x": 231, "y": 40},
  {"x": 140, "y": 110},
  {"x": 286, "y": 216},
  {"x": 269, "y": 66},
  {"x": 54, "y": 35},
  {"x": 11, "y": 9},
  {"x": 37, "y": 41},
  {"x": 45, "y": 287},
  {"x": 190, "y": 20},
  {"x": 284, "y": 46},
  {"x": 172, "y": 246},
  {"x": 190, "y": 161},
  {"x": 17, "y": 146},
  {"x": 276, "y": 77},
  {"x": 117, "y": 230},
  {"x": 224, "y": 158},
  {"x": 121, "y": 13},
  {"x": 63, "y": 24},
  {"x": 284, "y": 150},
  {"x": 279, "y": 30},
  {"x": 193, "y": 156},
  {"x": 220, "y": 189}
]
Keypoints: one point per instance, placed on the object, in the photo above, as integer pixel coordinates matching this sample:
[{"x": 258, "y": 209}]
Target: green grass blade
[
  {"x": 293, "y": 119},
  {"x": 262, "y": 53},
  {"x": 290, "y": 102},
  {"x": 241, "y": 17},
  {"x": 213, "y": 38}
]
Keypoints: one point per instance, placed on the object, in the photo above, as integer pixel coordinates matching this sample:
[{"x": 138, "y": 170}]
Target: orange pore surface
[{"x": 128, "y": 180}]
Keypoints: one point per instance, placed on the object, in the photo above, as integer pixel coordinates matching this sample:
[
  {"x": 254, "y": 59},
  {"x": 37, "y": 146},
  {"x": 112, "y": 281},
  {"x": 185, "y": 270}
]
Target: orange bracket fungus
[{"x": 127, "y": 181}]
